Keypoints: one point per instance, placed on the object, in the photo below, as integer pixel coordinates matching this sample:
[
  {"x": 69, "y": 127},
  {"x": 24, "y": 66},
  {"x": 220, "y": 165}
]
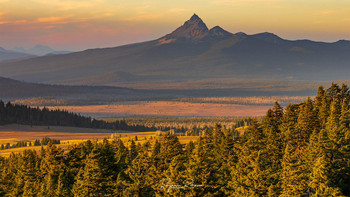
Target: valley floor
[
  {"x": 167, "y": 108},
  {"x": 69, "y": 135}
]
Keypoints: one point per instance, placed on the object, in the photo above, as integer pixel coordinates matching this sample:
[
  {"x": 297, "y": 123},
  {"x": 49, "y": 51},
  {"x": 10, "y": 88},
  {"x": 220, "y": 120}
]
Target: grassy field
[
  {"x": 251, "y": 100},
  {"x": 69, "y": 136},
  {"x": 168, "y": 108}
]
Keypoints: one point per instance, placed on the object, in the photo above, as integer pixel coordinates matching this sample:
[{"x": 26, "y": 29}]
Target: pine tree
[
  {"x": 90, "y": 179},
  {"x": 277, "y": 113},
  {"x": 323, "y": 111},
  {"x": 133, "y": 150},
  {"x": 274, "y": 148},
  {"x": 344, "y": 118},
  {"x": 319, "y": 98},
  {"x": 288, "y": 125},
  {"x": 51, "y": 166},
  {"x": 141, "y": 177},
  {"x": 155, "y": 155},
  {"x": 257, "y": 170},
  {"x": 294, "y": 173},
  {"x": 307, "y": 123},
  {"x": 174, "y": 175},
  {"x": 202, "y": 169},
  {"x": 170, "y": 147}
]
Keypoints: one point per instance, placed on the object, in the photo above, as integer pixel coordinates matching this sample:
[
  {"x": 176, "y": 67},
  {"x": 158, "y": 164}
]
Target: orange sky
[{"x": 82, "y": 24}]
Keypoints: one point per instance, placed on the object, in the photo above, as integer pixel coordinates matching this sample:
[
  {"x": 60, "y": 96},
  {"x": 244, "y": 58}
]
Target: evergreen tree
[
  {"x": 202, "y": 169},
  {"x": 294, "y": 173},
  {"x": 141, "y": 177},
  {"x": 90, "y": 179},
  {"x": 133, "y": 150},
  {"x": 307, "y": 123}
]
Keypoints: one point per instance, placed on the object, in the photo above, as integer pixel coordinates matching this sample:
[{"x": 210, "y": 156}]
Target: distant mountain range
[
  {"x": 39, "y": 50},
  {"x": 19, "y": 53},
  {"x": 6, "y": 55},
  {"x": 191, "y": 53}
]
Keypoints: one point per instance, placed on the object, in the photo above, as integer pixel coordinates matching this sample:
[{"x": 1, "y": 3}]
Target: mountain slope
[
  {"x": 191, "y": 52},
  {"x": 13, "y": 89}
]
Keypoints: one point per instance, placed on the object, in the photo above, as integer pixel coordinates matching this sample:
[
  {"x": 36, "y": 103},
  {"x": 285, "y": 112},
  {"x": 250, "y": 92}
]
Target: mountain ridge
[
  {"x": 7, "y": 55},
  {"x": 191, "y": 52},
  {"x": 39, "y": 50}
]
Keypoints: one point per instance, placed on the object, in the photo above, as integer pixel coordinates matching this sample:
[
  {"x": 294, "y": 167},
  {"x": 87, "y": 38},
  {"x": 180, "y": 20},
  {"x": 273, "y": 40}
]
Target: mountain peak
[
  {"x": 269, "y": 37},
  {"x": 194, "y": 28},
  {"x": 195, "y": 17},
  {"x": 2, "y": 49},
  {"x": 218, "y": 32},
  {"x": 38, "y": 50}
]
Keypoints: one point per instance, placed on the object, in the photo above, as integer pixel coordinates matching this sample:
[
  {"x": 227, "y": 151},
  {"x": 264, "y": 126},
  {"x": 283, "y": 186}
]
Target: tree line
[
  {"x": 188, "y": 126},
  {"x": 22, "y": 114},
  {"x": 302, "y": 150},
  {"x": 37, "y": 142}
]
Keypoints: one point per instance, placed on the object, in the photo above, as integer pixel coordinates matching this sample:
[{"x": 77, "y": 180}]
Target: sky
[{"x": 82, "y": 24}]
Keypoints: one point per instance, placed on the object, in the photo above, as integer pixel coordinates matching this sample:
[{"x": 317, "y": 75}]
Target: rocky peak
[
  {"x": 218, "y": 32},
  {"x": 194, "y": 28}
]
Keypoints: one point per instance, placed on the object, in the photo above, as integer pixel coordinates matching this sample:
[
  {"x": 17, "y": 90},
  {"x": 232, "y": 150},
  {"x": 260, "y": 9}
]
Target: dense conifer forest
[
  {"x": 22, "y": 114},
  {"x": 301, "y": 150},
  {"x": 37, "y": 142},
  {"x": 188, "y": 126}
]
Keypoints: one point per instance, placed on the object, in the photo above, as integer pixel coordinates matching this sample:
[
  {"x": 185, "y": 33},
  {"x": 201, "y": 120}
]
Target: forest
[
  {"x": 37, "y": 142},
  {"x": 300, "y": 150},
  {"x": 22, "y": 114},
  {"x": 186, "y": 126}
]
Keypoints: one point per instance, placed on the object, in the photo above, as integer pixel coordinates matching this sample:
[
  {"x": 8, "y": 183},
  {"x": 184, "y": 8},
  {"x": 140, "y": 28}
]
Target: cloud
[
  {"x": 54, "y": 19},
  {"x": 13, "y": 22}
]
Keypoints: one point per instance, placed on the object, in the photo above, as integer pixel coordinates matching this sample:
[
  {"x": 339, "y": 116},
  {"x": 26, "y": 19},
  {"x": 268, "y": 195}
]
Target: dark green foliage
[
  {"x": 188, "y": 126},
  {"x": 44, "y": 141},
  {"x": 47, "y": 140},
  {"x": 299, "y": 151},
  {"x": 22, "y": 114}
]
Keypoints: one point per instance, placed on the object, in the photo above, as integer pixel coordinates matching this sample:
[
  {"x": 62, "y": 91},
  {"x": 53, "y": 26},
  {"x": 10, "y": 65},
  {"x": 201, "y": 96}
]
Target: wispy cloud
[
  {"x": 13, "y": 22},
  {"x": 54, "y": 19}
]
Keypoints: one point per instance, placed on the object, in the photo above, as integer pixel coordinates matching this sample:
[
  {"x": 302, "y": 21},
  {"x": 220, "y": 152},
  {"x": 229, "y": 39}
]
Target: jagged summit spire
[
  {"x": 195, "y": 17},
  {"x": 194, "y": 28}
]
